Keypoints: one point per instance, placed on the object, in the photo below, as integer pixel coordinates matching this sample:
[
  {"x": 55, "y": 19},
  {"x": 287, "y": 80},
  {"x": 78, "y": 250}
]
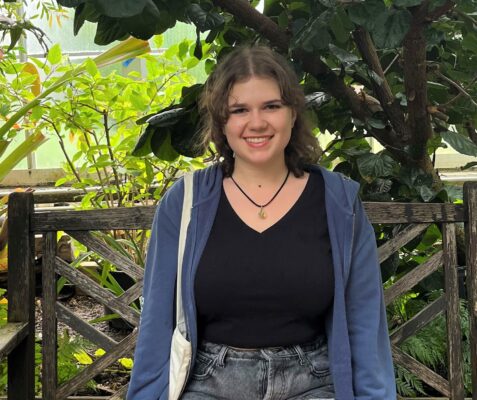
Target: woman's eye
[
  {"x": 237, "y": 111},
  {"x": 273, "y": 106}
]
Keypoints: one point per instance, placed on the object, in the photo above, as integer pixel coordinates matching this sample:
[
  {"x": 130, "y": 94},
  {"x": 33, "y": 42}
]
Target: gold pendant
[{"x": 262, "y": 214}]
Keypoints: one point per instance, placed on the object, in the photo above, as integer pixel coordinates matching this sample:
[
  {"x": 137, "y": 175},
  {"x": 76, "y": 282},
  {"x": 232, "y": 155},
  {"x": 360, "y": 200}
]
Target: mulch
[{"x": 110, "y": 380}]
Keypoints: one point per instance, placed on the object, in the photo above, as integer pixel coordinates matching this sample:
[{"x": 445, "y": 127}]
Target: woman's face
[{"x": 259, "y": 125}]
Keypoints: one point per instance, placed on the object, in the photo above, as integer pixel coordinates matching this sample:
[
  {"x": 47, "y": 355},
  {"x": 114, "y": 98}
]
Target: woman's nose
[{"x": 257, "y": 120}]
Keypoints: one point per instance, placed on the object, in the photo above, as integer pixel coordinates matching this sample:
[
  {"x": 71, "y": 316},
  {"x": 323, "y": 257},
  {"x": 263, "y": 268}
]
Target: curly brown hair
[{"x": 239, "y": 65}]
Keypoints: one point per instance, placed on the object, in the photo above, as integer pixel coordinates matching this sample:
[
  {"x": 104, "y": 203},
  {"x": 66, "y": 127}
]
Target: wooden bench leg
[{"x": 21, "y": 295}]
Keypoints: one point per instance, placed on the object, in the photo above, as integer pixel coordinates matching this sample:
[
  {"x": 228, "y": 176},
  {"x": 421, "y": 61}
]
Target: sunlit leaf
[
  {"x": 126, "y": 363},
  {"x": 54, "y": 54},
  {"x": 83, "y": 358}
]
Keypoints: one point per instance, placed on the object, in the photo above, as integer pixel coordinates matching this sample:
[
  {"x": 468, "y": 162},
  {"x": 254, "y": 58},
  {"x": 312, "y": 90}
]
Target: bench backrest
[{"x": 24, "y": 223}]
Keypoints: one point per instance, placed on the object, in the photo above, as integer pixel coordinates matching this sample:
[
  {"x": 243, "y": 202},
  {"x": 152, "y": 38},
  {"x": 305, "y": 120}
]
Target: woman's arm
[
  {"x": 150, "y": 375},
  {"x": 373, "y": 372}
]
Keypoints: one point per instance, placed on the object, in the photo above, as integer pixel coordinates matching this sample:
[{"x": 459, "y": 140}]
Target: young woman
[{"x": 281, "y": 285}]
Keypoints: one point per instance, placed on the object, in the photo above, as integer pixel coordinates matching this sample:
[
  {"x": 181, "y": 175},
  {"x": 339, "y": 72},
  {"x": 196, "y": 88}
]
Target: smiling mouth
[{"x": 261, "y": 139}]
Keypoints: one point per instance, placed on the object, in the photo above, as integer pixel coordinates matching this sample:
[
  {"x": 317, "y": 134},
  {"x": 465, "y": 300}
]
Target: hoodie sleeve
[
  {"x": 373, "y": 372},
  {"x": 150, "y": 375}
]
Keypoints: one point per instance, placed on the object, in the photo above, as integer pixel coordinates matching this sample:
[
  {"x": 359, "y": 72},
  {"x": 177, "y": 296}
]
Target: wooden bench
[{"x": 24, "y": 222}]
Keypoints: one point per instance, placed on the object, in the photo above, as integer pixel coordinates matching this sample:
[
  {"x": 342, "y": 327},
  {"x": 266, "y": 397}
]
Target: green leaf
[
  {"x": 391, "y": 27},
  {"x": 15, "y": 35},
  {"x": 469, "y": 165},
  {"x": 406, "y": 3},
  {"x": 121, "y": 8},
  {"x": 91, "y": 67},
  {"x": 376, "y": 123},
  {"x": 470, "y": 42},
  {"x": 54, "y": 54},
  {"x": 345, "y": 57},
  {"x": 166, "y": 118},
  {"x": 375, "y": 165},
  {"x": 460, "y": 143},
  {"x": 145, "y": 25},
  {"x": 198, "y": 46},
  {"x": 158, "y": 41},
  {"x": 84, "y": 12},
  {"x": 341, "y": 25},
  {"x": 427, "y": 194},
  {"x": 365, "y": 13},
  {"x": 163, "y": 148},
  {"x": 79, "y": 19},
  {"x": 143, "y": 146},
  {"x": 202, "y": 19},
  {"x": 313, "y": 36},
  {"x": 108, "y": 30}
]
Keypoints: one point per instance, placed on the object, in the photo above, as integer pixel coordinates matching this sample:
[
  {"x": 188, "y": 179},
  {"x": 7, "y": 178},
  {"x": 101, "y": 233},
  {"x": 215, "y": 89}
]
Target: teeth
[{"x": 257, "y": 140}]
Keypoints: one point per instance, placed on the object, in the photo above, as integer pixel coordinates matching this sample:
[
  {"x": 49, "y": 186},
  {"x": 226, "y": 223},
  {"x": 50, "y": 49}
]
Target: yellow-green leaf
[
  {"x": 91, "y": 67},
  {"x": 83, "y": 358},
  {"x": 99, "y": 353},
  {"x": 126, "y": 362},
  {"x": 54, "y": 54}
]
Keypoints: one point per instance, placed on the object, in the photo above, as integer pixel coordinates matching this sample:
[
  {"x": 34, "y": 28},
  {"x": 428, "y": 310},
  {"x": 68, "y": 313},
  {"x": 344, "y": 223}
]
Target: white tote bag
[{"x": 181, "y": 348}]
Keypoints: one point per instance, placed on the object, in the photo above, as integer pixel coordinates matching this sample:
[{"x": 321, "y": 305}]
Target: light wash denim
[{"x": 299, "y": 372}]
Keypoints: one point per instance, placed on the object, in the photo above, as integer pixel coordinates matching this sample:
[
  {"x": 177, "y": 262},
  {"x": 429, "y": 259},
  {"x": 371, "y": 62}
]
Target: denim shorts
[{"x": 299, "y": 372}]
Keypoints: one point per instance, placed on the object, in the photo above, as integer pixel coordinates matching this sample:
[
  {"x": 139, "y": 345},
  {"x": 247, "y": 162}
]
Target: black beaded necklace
[{"x": 262, "y": 214}]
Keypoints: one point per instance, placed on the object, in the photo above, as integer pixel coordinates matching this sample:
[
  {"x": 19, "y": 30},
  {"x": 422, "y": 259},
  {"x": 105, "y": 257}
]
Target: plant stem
[
  {"x": 63, "y": 149},
  {"x": 111, "y": 155}
]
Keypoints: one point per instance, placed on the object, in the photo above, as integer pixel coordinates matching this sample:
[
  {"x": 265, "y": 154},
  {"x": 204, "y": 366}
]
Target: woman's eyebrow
[{"x": 265, "y": 103}]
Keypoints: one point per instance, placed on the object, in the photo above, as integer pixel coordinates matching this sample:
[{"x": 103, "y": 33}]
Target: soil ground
[{"x": 88, "y": 309}]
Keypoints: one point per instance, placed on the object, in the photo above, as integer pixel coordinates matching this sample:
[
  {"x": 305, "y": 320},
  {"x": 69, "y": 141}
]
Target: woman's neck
[{"x": 253, "y": 175}]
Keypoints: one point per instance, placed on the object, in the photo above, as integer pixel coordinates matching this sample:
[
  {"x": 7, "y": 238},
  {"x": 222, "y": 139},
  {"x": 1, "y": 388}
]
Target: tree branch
[
  {"x": 459, "y": 88},
  {"x": 382, "y": 90},
  {"x": 422, "y": 14},
  {"x": 415, "y": 83}
]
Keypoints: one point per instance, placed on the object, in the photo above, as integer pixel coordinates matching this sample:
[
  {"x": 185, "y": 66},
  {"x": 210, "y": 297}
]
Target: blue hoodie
[{"x": 358, "y": 341}]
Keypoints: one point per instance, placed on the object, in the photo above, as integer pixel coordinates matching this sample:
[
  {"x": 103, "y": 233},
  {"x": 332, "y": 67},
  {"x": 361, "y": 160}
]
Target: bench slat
[{"x": 10, "y": 335}]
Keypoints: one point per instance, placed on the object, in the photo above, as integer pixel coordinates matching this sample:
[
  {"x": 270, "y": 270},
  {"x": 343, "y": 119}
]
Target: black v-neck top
[{"x": 267, "y": 289}]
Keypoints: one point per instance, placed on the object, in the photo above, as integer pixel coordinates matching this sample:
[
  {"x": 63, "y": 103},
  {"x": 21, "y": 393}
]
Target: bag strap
[{"x": 185, "y": 219}]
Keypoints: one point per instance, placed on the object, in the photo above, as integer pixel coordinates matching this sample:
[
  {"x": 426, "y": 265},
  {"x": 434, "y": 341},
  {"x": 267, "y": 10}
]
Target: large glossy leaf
[
  {"x": 185, "y": 135},
  {"x": 108, "y": 30},
  {"x": 15, "y": 35},
  {"x": 460, "y": 143},
  {"x": 161, "y": 145},
  {"x": 166, "y": 118},
  {"x": 345, "y": 57},
  {"x": 121, "y": 8},
  {"x": 84, "y": 12},
  {"x": 313, "y": 36},
  {"x": 143, "y": 25},
  {"x": 143, "y": 146},
  {"x": 365, "y": 13},
  {"x": 375, "y": 165},
  {"x": 205, "y": 20},
  {"x": 391, "y": 27}
]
